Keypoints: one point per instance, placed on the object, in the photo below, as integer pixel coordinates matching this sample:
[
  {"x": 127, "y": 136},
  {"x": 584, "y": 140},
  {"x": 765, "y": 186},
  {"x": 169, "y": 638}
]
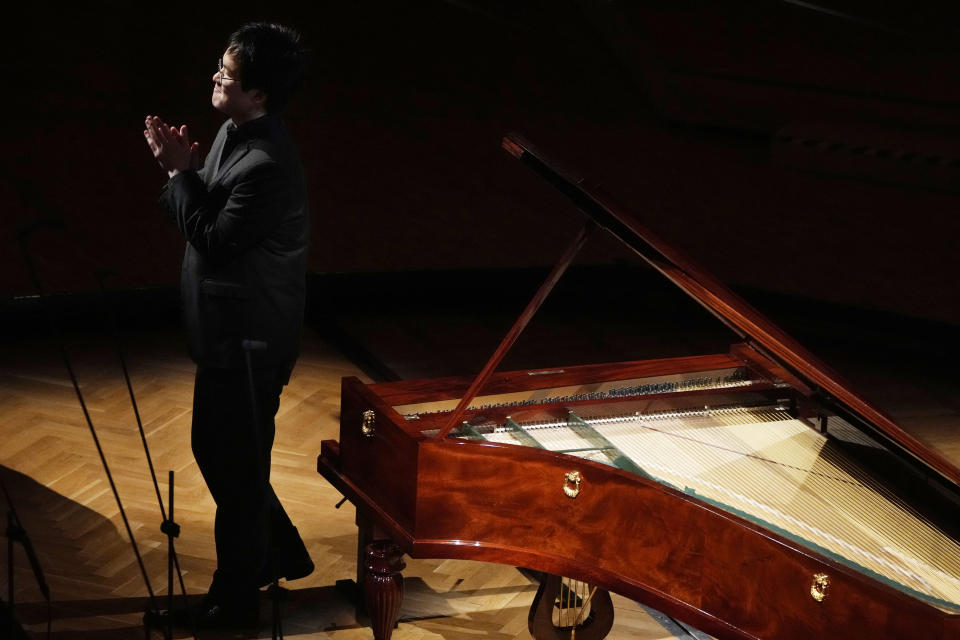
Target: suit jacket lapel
[
  {"x": 238, "y": 152},
  {"x": 212, "y": 161},
  {"x": 214, "y": 171}
]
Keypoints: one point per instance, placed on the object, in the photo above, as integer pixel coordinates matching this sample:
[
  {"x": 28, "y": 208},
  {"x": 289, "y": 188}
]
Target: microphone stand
[
  {"x": 22, "y": 238},
  {"x": 172, "y": 529},
  {"x": 17, "y": 533},
  {"x": 168, "y": 527},
  {"x": 274, "y": 590}
]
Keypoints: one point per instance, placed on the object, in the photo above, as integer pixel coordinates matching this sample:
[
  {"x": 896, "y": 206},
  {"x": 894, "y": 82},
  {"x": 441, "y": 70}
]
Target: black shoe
[
  {"x": 236, "y": 614},
  {"x": 291, "y": 561},
  {"x": 227, "y": 616}
]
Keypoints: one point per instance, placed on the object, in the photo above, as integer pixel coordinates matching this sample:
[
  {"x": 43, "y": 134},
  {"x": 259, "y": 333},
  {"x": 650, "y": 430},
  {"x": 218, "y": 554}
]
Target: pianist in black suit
[{"x": 244, "y": 216}]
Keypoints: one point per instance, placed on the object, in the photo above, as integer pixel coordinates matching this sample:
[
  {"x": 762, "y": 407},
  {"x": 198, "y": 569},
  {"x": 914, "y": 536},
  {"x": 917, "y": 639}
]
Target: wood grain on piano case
[{"x": 733, "y": 492}]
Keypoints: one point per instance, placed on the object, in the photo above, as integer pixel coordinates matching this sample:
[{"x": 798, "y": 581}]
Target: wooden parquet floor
[{"x": 58, "y": 486}]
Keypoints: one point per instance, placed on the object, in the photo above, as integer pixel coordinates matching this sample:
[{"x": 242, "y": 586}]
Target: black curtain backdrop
[{"x": 675, "y": 107}]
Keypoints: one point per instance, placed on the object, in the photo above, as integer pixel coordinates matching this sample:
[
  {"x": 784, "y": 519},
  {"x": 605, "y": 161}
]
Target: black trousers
[{"x": 233, "y": 453}]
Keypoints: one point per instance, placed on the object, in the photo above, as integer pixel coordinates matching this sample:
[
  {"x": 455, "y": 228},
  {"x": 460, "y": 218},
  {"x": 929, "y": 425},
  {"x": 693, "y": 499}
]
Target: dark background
[
  {"x": 802, "y": 149},
  {"x": 806, "y": 153}
]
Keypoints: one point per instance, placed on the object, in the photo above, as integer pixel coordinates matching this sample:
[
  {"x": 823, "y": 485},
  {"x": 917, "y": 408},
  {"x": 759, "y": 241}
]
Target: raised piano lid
[{"x": 825, "y": 385}]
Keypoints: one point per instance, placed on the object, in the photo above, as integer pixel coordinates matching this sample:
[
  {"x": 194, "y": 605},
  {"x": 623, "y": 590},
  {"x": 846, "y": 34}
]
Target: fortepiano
[{"x": 751, "y": 493}]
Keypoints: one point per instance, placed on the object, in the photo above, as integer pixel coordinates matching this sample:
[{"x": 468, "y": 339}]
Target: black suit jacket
[{"x": 246, "y": 223}]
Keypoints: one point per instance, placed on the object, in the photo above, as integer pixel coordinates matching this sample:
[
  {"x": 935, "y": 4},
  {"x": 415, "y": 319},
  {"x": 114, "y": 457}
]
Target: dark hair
[{"x": 269, "y": 57}]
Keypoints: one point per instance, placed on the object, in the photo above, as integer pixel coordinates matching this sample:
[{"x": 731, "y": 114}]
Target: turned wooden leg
[
  {"x": 383, "y": 586},
  {"x": 366, "y": 533}
]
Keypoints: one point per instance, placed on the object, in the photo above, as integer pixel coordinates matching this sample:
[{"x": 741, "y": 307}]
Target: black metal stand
[
  {"x": 152, "y": 617},
  {"x": 155, "y": 619},
  {"x": 172, "y": 529},
  {"x": 16, "y": 533},
  {"x": 10, "y": 629},
  {"x": 23, "y": 237},
  {"x": 10, "y": 537}
]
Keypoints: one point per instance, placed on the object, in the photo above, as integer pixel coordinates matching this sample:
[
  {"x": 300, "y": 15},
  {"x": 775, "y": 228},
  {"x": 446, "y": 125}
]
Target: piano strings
[{"x": 772, "y": 468}]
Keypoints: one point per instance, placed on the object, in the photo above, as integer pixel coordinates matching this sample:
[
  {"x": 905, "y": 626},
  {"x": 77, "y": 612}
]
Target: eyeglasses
[{"x": 220, "y": 70}]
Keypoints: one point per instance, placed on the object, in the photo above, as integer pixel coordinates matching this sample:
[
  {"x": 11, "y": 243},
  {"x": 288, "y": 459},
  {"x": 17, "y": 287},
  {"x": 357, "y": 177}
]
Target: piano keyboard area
[
  {"x": 773, "y": 469},
  {"x": 601, "y": 390}
]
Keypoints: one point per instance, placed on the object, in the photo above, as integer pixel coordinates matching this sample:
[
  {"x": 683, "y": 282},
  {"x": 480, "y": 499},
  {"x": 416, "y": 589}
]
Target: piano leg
[
  {"x": 383, "y": 586},
  {"x": 366, "y": 533}
]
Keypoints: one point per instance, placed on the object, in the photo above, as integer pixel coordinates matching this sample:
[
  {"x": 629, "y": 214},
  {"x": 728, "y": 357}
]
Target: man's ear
[{"x": 259, "y": 98}]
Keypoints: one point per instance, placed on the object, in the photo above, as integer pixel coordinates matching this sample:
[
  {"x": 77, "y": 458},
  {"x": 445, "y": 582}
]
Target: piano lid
[{"x": 824, "y": 384}]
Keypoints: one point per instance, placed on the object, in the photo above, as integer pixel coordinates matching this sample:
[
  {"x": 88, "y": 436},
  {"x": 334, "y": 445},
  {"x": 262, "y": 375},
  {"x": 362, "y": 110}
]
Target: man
[{"x": 244, "y": 217}]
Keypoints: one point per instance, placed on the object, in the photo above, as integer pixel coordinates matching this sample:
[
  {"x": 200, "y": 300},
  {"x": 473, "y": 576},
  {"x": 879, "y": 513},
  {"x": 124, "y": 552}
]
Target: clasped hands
[{"x": 171, "y": 146}]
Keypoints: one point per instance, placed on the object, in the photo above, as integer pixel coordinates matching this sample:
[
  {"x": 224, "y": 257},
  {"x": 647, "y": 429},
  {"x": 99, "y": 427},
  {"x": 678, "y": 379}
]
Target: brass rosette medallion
[
  {"x": 368, "y": 422},
  {"x": 571, "y": 484},
  {"x": 818, "y": 590}
]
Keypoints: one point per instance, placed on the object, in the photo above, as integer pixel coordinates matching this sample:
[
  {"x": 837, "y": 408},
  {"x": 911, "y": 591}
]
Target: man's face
[{"x": 232, "y": 100}]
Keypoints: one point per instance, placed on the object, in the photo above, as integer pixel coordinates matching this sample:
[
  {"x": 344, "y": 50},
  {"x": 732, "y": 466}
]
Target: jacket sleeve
[{"x": 222, "y": 224}]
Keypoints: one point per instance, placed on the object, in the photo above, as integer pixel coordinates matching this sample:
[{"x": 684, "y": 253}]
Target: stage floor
[{"x": 60, "y": 491}]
